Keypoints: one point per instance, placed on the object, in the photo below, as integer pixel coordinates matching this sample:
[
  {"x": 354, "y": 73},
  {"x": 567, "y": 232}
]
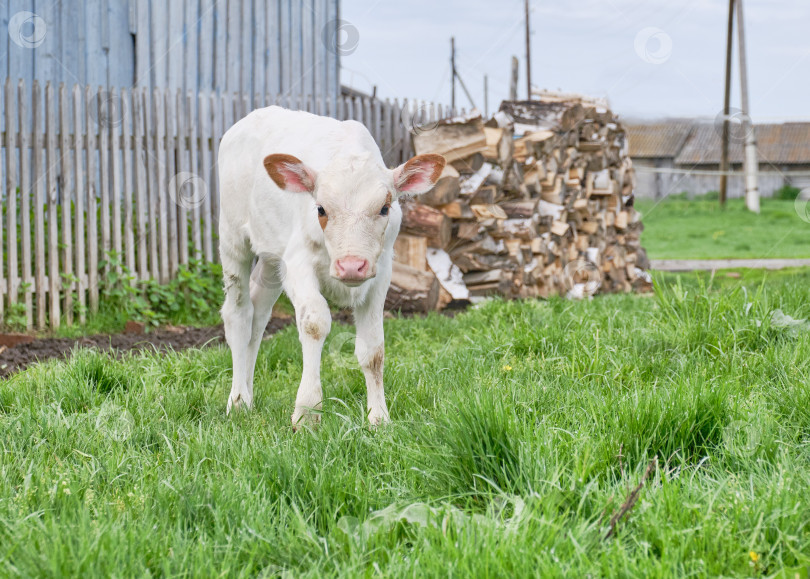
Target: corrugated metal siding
[
  {"x": 699, "y": 143},
  {"x": 249, "y": 46},
  {"x": 784, "y": 144},
  {"x": 657, "y": 140}
]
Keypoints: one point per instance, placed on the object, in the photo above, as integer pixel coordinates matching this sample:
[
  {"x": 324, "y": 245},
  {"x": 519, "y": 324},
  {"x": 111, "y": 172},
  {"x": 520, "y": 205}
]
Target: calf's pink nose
[{"x": 352, "y": 268}]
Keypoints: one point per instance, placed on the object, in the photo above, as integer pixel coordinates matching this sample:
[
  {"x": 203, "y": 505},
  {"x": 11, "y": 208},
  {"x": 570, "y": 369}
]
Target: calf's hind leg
[
  {"x": 237, "y": 314},
  {"x": 265, "y": 288}
]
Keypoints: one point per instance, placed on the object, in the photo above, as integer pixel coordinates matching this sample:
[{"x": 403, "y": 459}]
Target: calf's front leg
[
  {"x": 370, "y": 351},
  {"x": 314, "y": 323}
]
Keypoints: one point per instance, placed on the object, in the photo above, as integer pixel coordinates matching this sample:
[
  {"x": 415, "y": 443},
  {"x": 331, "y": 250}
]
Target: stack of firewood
[{"x": 536, "y": 201}]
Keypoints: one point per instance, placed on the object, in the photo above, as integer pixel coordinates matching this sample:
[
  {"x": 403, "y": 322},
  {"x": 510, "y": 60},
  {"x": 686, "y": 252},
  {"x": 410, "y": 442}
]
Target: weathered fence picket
[
  {"x": 11, "y": 202},
  {"x": 128, "y": 177},
  {"x": 78, "y": 161},
  {"x": 89, "y": 171},
  {"x": 65, "y": 185},
  {"x": 90, "y": 192},
  {"x": 40, "y": 174}
]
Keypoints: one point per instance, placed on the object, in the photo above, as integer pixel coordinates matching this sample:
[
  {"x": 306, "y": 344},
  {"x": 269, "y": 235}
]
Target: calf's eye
[
  {"x": 321, "y": 211},
  {"x": 384, "y": 210}
]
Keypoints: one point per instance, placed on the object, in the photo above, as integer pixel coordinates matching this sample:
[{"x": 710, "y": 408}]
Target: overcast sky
[{"x": 651, "y": 58}]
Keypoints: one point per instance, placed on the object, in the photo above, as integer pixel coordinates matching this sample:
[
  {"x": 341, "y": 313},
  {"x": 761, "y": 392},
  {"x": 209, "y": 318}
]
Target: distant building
[
  {"x": 256, "y": 48},
  {"x": 676, "y": 156}
]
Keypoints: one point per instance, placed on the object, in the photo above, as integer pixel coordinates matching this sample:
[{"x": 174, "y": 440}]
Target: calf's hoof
[
  {"x": 238, "y": 403},
  {"x": 305, "y": 417},
  {"x": 378, "y": 418}
]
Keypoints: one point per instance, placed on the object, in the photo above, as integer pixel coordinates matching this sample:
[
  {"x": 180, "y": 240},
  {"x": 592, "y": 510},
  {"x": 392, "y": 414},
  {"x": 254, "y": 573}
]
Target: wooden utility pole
[
  {"x": 726, "y": 107},
  {"x": 486, "y": 98},
  {"x": 528, "y": 54},
  {"x": 513, "y": 79},
  {"x": 750, "y": 153},
  {"x": 453, "y": 74}
]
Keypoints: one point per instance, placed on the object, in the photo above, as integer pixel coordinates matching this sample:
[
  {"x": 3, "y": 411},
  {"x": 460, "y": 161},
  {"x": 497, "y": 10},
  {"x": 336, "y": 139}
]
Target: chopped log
[
  {"x": 455, "y": 138},
  {"x": 484, "y": 212},
  {"x": 485, "y": 195},
  {"x": 524, "y": 208},
  {"x": 411, "y": 250},
  {"x": 469, "y": 164},
  {"x": 527, "y": 146},
  {"x": 493, "y": 275},
  {"x": 412, "y": 290},
  {"x": 499, "y": 146},
  {"x": 470, "y": 184},
  {"x": 553, "y": 193},
  {"x": 445, "y": 190},
  {"x": 467, "y": 230},
  {"x": 621, "y": 220},
  {"x": 448, "y": 274},
  {"x": 559, "y": 228},
  {"x": 541, "y": 114},
  {"x": 421, "y": 220},
  {"x": 457, "y": 210},
  {"x": 519, "y": 229}
]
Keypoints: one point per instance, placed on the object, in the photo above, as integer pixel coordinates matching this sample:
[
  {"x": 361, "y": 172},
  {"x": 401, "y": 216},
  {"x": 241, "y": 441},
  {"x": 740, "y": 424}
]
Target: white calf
[{"x": 310, "y": 197}]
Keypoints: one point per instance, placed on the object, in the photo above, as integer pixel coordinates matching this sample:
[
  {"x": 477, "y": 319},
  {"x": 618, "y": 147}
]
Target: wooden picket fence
[{"x": 88, "y": 171}]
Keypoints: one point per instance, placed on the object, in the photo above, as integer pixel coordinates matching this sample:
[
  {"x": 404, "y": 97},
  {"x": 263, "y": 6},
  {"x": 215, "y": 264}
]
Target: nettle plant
[
  {"x": 16, "y": 318},
  {"x": 192, "y": 296}
]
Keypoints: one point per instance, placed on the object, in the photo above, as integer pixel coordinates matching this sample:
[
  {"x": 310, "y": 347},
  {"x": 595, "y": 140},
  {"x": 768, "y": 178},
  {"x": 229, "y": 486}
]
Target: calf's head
[{"x": 353, "y": 200}]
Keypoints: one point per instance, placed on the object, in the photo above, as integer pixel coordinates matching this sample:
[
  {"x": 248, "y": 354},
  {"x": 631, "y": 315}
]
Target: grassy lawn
[
  {"x": 519, "y": 428},
  {"x": 700, "y": 229}
]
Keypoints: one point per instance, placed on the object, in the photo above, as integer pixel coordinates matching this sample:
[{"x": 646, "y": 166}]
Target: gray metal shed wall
[{"x": 248, "y": 46}]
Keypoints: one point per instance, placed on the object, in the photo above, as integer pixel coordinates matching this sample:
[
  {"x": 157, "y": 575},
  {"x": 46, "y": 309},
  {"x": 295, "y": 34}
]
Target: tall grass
[{"x": 518, "y": 429}]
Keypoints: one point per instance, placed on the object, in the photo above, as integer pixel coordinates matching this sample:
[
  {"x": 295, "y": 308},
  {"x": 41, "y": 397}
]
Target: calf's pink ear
[
  {"x": 419, "y": 174},
  {"x": 290, "y": 174}
]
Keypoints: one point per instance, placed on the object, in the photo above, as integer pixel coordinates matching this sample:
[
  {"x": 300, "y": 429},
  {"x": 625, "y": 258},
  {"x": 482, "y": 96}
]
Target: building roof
[
  {"x": 657, "y": 140},
  {"x": 693, "y": 143}
]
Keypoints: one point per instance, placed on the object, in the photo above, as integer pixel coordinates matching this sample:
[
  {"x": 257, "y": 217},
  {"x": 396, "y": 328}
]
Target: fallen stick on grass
[{"x": 631, "y": 499}]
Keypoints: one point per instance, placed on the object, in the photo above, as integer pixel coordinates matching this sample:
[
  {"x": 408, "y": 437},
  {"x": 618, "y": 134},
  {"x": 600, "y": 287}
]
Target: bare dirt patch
[{"x": 15, "y": 359}]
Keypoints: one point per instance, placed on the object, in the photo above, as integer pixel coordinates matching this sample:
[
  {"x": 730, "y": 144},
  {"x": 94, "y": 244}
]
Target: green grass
[
  {"x": 518, "y": 429},
  {"x": 700, "y": 229}
]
